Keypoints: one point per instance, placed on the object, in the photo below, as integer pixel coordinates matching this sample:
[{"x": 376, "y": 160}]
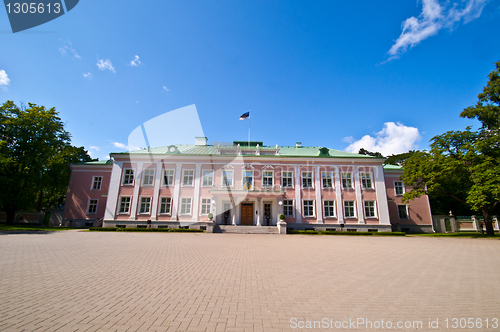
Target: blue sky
[{"x": 384, "y": 75}]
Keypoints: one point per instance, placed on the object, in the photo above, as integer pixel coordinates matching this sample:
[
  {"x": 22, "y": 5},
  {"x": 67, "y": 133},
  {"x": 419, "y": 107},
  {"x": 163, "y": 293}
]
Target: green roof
[
  {"x": 284, "y": 151},
  {"x": 98, "y": 162},
  {"x": 393, "y": 167}
]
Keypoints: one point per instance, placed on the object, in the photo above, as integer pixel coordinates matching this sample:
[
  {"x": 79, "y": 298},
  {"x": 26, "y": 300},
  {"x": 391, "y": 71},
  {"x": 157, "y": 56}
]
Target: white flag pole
[{"x": 249, "y": 128}]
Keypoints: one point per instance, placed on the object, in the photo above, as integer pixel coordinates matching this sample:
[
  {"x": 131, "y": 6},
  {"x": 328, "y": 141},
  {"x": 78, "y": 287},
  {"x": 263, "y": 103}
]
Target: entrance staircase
[{"x": 246, "y": 229}]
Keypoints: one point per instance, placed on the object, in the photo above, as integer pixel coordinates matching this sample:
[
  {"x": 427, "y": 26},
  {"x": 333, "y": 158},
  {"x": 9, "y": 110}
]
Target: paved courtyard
[{"x": 83, "y": 281}]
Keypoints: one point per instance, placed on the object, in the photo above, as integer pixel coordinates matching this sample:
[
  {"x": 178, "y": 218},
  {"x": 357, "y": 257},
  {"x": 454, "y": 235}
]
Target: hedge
[{"x": 120, "y": 229}]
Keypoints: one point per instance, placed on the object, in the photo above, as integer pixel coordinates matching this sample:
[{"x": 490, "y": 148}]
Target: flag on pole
[{"x": 245, "y": 115}]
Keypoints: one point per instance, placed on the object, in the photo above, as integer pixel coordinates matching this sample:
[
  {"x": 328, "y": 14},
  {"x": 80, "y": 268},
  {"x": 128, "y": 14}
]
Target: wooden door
[{"x": 247, "y": 214}]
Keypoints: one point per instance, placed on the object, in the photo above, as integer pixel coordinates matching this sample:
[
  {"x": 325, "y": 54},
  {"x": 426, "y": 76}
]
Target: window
[
  {"x": 186, "y": 206},
  {"x": 346, "y": 180},
  {"x": 288, "y": 207},
  {"x": 327, "y": 179},
  {"x": 165, "y": 204},
  {"x": 208, "y": 178},
  {"x": 92, "y": 206},
  {"x": 247, "y": 180},
  {"x": 370, "y": 209},
  {"x": 399, "y": 188},
  {"x": 145, "y": 204},
  {"x": 308, "y": 208},
  {"x": 205, "y": 205},
  {"x": 349, "y": 209},
  {"x": 187, "y": 179},
  {"x": 168, "y": 177},
  {"x": 148, "y": 177},
  {"x": 267, "y": 178},
  {"x": 124, "y": 204},
  {"x": 287, "y": 180},
  {"x": 307, "y": 180},
  {"x": 128, "y": 176},
  {"x": 227, "y": 178},
  {"x": 96, "y": 182},
  {"x": 403, "y": 212},
  {"x": 329, "y": 207},
  {"x": 366, "y": 180}
]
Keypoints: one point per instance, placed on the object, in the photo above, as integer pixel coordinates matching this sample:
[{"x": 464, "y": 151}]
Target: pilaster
[
  {"x": 197, "y": 184},
  {"x": 135, "y": 197},
  {"x": 177, "y": 191},
  {"x": 114, "y": 189},
  {"x": 298, "y": 198},
  {"x": 318, "y": 187},
  {"x": 381, "y": 192},
  {"x": 338, "y": 196},
  {"x": 154, "y": 209},
  {"x": 359, "y": 197}
]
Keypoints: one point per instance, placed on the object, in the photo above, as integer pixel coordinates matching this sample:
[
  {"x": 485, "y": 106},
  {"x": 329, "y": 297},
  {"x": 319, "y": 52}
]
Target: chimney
[
  {"x": 200, "y": 141},
  {"x": 298, "y": 144}
]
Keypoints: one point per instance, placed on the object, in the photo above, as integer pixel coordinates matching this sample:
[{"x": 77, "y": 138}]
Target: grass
[
  {"x": 472, "y": 235},
  {"x": 155, "y": 230},
  {"x": 346, "y": 233},
  {"x": 28, "y": 227}
]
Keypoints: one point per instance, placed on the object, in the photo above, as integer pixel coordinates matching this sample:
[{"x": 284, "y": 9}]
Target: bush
[
  {"x": 119, "y": 229},
  {"x": 103, "y": 229},
  {"x": 389, "y": 234},
  {"x": 309, "y": 232}
]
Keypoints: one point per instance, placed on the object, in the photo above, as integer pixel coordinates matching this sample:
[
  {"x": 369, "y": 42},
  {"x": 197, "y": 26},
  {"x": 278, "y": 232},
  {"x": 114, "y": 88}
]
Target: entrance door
[
  {"x": 247, "y": 214},
  {"x": 226, "y": 215},
  {"x": 267, "y": 214}
]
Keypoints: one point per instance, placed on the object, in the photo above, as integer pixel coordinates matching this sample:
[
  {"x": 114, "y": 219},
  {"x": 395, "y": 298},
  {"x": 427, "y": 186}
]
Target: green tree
[
  {"x": 369, "y": 153},
  {"x": 35, "y": 157},
  {"x": 464, "y": 165}
]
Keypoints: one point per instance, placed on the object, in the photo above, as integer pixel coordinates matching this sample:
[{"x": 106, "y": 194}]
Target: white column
[
  {"x": 280, "y": 208},
  {"x": 259, "y": 210},
  {"x": 383, "y": 206},
  {"x": 114, "y": 190},
  {"x": 298, "y": 201},
  {"x": 177, "y": 191},
  {"x": 359, "y": 197},
  {"x": 135, "y": 198},
  {"x": 338, "y": 196},
  {"x": 156, "y": 193},
  {"x": 318, "y": 186},
  {"x": 197, "y": 185}
]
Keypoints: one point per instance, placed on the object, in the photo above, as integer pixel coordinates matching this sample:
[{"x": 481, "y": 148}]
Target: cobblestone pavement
[{"x": 87, "y": 281}]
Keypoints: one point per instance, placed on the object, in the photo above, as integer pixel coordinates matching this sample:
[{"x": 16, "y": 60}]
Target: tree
[
  {"x": 398, "y": 159},
  {"x": 464, "y": 165},
  {"x": 369, "y": 153},
  {"x": 35, "y": 154}
]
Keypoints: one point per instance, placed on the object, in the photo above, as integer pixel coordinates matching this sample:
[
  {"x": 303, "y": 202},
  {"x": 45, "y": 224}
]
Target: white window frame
[
  {"x": 350, "y": 179},
  {"x": 313, "y": 208},
  {"x": 293, "y": 208},
  {"x": 331, "y": 179},
  {"x": 282, "y": 177},
  {"x": 147, "y": 204},
  {"x": 120, "y": 205},
  {"x": 334, "y": 208},
  {"x": 94, "y": 182},
  {"x": 243, "y": 179},
  {"x": 190, "y": 204},
  {"x": 166, "y": 204},
  {"x": 375, "y": 215},
  {"x": 184, "y": 177},
  {"x": 228, "y": 171},
  {"x": 272, "y": 178},
  {"x": 204, "y": 176},
  {"x": 146, "y": 173},
  {"x": 125, "y": 175},
  {"x": 407, "y": 212},
  {"x": 353, "y": 208},
  {"x": 402, "y": 187},
  {"x": 173, "y": 178},
  {"x": 371, "y": 180},
  {"x": 96, "y": 205},
  {"x": 311, "y": 177},
  {"x": 202, "y": 204}
]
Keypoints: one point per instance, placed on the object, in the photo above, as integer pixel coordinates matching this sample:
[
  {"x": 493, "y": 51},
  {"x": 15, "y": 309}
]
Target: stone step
[{"x": 246, "y": 229}]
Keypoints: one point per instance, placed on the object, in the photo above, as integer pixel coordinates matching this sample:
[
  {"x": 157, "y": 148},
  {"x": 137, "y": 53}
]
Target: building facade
[{"x": 184, "y": 185}]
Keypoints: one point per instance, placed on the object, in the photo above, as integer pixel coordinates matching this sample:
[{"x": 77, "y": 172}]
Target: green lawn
[
  {"x": 21, "y": 227},
  {"x": 460, "y": 234}
]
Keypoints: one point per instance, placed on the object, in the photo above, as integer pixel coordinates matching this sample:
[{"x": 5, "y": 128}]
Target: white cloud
[
  {"x": 69, "y": 48},
  {"x": 165, "y": 88},
  {"x": 125, "y": 147},
  {"x": 393, "y": 139},
  {"x": 95, "y": 148},
  {"x": 4, "y": 79},
  {"x": 136, "y": 62},
  {"x": 435, "y": 16},
  {"x": 92, "y": 150},
  {"x": 88, "y": 75},
  {"x": 105, "y": 65}
]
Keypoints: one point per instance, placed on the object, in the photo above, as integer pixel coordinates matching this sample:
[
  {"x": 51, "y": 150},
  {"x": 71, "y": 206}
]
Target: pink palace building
[{"x": 216, "y": 187}]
